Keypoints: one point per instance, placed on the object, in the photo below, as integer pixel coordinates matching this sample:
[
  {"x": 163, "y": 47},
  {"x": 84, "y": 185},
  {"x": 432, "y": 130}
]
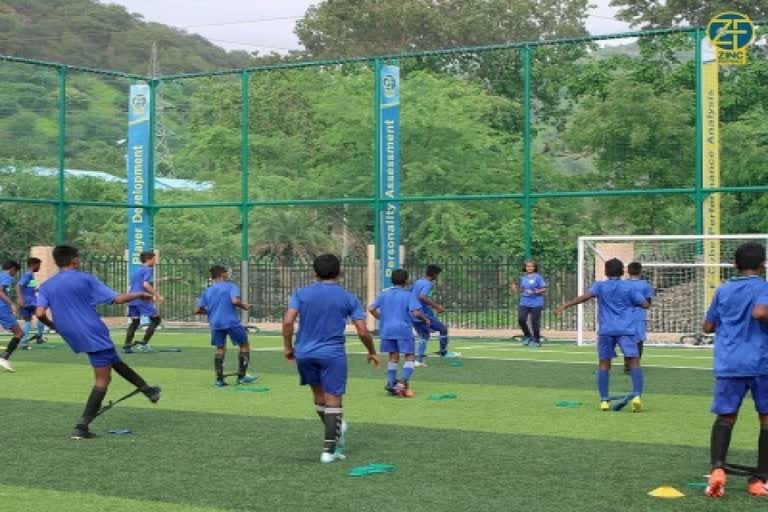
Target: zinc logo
[{"x": 731, "y": 33}]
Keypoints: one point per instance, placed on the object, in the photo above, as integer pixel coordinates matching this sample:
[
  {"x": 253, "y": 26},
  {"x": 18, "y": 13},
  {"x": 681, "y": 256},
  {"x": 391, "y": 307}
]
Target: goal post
[{"x": 683, "y": 270}]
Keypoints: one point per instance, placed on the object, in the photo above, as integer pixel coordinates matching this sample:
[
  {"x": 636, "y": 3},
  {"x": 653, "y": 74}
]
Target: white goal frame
[{"x": 581, "y": 258}]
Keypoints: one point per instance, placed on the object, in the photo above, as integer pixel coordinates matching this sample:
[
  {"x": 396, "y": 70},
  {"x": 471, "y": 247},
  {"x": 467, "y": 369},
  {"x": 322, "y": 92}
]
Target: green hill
[{"x": 88, "y": 33}]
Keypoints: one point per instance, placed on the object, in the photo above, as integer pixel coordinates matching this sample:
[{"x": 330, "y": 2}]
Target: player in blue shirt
[
  {"x": 739, "y": 317},
  {"x": 616, "y": 301},
  {"x": 532, "y": 288},
  {"x": 635, "y": 270},
  {"x": 72, "y": 297},
  {"x": 26, "y": 289},
  {"x": 220, "y": 301},
  {"x": 395, "y": 309},
  {"x": 8, "y": 312},
  {"x": 422, "y": 289},
  {"x": 142, "y": 281},
  {"x": 323, "y": 309}
]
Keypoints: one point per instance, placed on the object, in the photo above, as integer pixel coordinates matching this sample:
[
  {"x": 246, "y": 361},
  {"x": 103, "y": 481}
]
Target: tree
[
  {"x": 369, "y": 27},
  {"x": 655, "y": 14}
]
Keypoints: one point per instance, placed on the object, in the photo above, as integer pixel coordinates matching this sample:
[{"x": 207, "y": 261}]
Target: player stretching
[
  {"x": 616, "y": 300},
  {"x": 394, "y": 308},
  {"x": 323, "y": 309},
  {"x": 141, "y": 281},
  {"x": 737, "y": 310},
  {"x": 422, "y": 290},
  {"x": 72, "y": 297}
]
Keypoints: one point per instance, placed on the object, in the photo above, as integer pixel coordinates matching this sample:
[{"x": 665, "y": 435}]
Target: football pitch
[{"x": 502, "y": 444}]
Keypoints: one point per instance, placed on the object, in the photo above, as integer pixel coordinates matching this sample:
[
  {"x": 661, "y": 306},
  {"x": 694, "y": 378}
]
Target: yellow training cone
[{"x": 666, "y": 492}]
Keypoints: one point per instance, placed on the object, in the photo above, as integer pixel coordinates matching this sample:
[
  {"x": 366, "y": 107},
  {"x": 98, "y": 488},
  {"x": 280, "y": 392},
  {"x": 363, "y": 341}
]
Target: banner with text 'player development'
[{"x": 139, "y": 218}]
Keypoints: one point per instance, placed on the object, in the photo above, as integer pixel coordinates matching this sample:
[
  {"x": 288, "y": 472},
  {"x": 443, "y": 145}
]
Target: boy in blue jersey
[
  {"x": 323, "y": 309},
  {"x": 72, "y": 297},
  {"x": 395, "y": 309},
  {"x": 532, "y": 288},
  {"x": 26, "y": 289},
  {"x": 616, "y": 300},
  {"x": 635, "y": 270},
  {"x": 739, "y": 317},
  {"x": 422, "y": 289},
  {"x": 142, "y": 281},
  {"x": 8, "y": 313},
  {"x": 220, "y": 301}
]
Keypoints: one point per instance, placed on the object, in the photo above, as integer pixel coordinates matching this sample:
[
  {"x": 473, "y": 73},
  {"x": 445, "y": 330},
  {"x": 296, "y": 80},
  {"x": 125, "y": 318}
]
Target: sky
[{"x": 267, "y": 25}]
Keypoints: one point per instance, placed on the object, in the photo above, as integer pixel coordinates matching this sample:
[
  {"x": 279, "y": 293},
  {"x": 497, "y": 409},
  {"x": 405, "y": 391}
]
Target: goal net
[{"x": 683, "y": 270}]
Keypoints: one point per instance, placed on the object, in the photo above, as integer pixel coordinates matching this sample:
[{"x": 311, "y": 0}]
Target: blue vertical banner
[
  {"x": 389, "y": 171},
  {"x": 139, "y": 216}
]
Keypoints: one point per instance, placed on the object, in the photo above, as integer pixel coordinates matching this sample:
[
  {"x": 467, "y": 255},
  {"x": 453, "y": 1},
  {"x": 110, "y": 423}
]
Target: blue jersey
[
  {"x": 641, "y": 314},
  {"x": 324, "y": 309},
  {"x": 741, "y": 342},
  {"x": 6, "y": 284},
  {"x": 616, "y": 301},
  {"x": 529, "y": 283},
  {"x": 142, "y": 275},
  {"x": 424, "y": 287},
  {"x": 395, "y": 306},
  {"x": 72, "y": 297},
  {"x": 217, "y": 301}
]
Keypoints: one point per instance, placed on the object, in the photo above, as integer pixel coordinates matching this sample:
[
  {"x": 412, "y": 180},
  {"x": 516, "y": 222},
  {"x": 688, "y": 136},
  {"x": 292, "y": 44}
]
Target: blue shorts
[
  {"x": 7, "y": 319},
  {"x": 730, "y": 392},
  {"x": 399, "y": 346},
  {"x": 330, "y": 373},
  {"x": 435, "y": 325},
  {"x": 103, "y": 358},
  {"x": 27, "y": 312},
  {"x": 237, "y": 334},
  {"x": 606, "y": 346},
  {"x": 145, "y": 309}
]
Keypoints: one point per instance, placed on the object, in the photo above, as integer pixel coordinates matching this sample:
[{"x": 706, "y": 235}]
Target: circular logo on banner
[
  {"x": 139, "y": 104},
  {"x": 731, "y": 31},
  {"x": 390, "y": 86}
]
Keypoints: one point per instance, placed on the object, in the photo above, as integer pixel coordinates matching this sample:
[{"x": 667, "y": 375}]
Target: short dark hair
[
  {"x": 146, "y": 256},
  {"x": 535, "y": 265},
  {"x": 399, "y": 277},
  {"x": 614, "y": 267},
  {"x": 11, "y": 264},
  {"x": 327, "y": 266},
  {"x": 433, "y": 270},
  {"x": 64, "y": 255},
  {"x": 749, "y": 256},
  {"x": 635, "y": 268},
  {"x": 33, "y": 261},
  {"x": 217, "y": 271}
]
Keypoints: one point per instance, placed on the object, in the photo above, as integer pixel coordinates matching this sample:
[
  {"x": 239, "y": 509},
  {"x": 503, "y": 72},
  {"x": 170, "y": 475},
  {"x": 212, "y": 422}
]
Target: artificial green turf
[{"x": 501, "y": 445}]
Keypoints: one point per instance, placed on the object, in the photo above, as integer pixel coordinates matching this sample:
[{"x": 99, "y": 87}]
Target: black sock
[
  {"x": 762, "y": 454},
  {"x": 719, "y": 442},
  {"x": 218, "y": 365},
  {"x": 128, "y": 374},
  {"x": 154, "y": 321},
  {"x": 332, "y": 428},
  {"x": 131, "y": 332},
  {"x": 92, "y": 407},
  {"x": 10, "y": 348},
  {"x": 243, "y": 360},
  {"x": 320, "y": 409}
]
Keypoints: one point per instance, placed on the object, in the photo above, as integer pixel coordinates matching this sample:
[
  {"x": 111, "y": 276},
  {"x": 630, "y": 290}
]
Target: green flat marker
[
  {"x": 697, "y": 485},
  {"x": 253, "y": 389},
  {"x": 371, "y": 469},
  {"x": 48, "y": 346},
  {"x": 442, "y": 396},
  {"x": 568, "y": 403},
  {"x": 456, "y": 363}
]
